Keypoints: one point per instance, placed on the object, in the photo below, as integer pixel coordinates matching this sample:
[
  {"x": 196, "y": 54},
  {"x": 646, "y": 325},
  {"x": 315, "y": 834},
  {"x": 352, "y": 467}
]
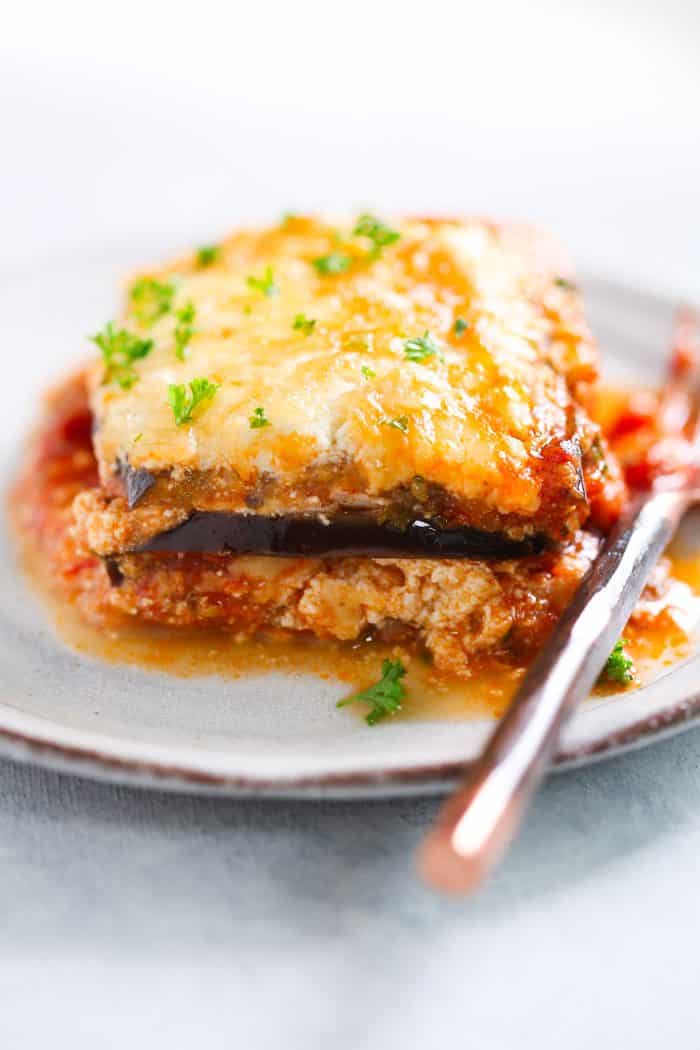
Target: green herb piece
[
  {"x": 460, "y": 326},
  {"x": 184, "y": 402},
  {"x": 569, "y": 286},
  {"x": 304, "y": 324},
  {"x": 398, "y": 424},
  {"x": 619, "y": 668},
  {"x": 378, "y": 232},
  {"x": 259, "y": 419},
  {"x": 598, "y": 455},
  {"x": 138, "y": 437},
  {"x": 368, "y": 372},
  {"x": 421, "y": 348},
  {"x": 385, "y": 696},
  {"x": 184, "y": 329},
  {"x": 207, "y": 254},
  {"x": 334, "y": 263},
  {"x": 151, "y": 299},
  {"x": 265, "y": 284},
  {"x": 119, "y": 351}
]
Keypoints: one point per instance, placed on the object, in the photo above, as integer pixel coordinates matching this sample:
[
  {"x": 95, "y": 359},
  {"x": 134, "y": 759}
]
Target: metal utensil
[{"x": 479, "y": 821}]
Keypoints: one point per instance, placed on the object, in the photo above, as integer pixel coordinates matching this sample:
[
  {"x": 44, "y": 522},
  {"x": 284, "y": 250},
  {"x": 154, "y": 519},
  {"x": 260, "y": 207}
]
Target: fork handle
[{"x": 479, "y": 821}]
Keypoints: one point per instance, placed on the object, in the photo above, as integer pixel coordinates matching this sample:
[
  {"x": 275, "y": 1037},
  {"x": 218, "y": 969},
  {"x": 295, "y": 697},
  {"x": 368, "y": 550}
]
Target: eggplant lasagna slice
[{"x": 399, "y": 414}]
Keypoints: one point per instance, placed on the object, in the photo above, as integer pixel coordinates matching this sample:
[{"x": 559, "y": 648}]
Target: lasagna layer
[
  {"x": 453, "y": 610},
  {"x": 437, "y": 370}
]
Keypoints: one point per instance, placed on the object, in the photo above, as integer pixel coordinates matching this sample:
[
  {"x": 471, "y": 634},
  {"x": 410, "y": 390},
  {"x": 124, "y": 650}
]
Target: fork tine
[
  {"x": 685, "y": 341},
  {"x": 680, "y": 400}
]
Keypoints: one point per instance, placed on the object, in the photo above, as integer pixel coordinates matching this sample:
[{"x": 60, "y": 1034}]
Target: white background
[
  {"x": 133, "y": 919},
  {"x": 126, "y": 120}
]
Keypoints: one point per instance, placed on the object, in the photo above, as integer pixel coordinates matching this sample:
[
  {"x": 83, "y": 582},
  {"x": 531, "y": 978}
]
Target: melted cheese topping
[{"x": 473, "y": 417}]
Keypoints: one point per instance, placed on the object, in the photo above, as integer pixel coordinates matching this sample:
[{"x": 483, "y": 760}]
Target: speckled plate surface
[{"x": 274, "y": 734}]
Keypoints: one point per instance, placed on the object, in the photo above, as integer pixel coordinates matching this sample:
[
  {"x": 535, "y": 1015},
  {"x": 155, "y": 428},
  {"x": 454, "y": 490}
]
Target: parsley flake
[
  {"x": 619, "y": 668},
  {"x": 119, "y": 351},
  {"x": 378, "y": 232},
  {"x": 207, "y": 254},
  {"x": 385, "y": 696},
  {"x": 460, "y": 326},
  {"x": 304, "y": 324},
  {"x": 398, "y": 424},
  {"x": 368, "y": 372},
  {"x": 259, "y": 419},
  {"x": 151, "y": 299},
  {"x": 568, "y": 286},
  {"x": 265, "y": 284},
  {"x": 598, "y": 455},
  {"x": 334, "y": 263},
  {"x": 184, "y": 402},
  {"x": 420, "y": 348},
  {"x": 184, "y": 330}
]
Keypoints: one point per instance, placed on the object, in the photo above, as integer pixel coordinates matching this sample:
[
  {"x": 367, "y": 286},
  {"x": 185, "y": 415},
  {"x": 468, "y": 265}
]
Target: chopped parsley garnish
[
  {"x": 207, "y": 254},
  {"x": 598, "y": 455},
  {"x": 265, "y": 284},
  {"x": 398, "y": 424},
  {"x": 151, "y": 299},
  {"x": 138, "y": 437},
  {"x": 385, "y": 696},
  {"x": 368, "y": 372},
  {"x": 378, "y": 232},
  {"x": 119, "y": 351},
  {"x": 184, "y": 330},
  {"x": 420, "y": 348},
  {"x": 460, "y": 326},
  {"x": 259, "y": 419},
  {"x": 304, "y": 324},
  {"x": 334, "y": 263},
  {"x": 569, "y": 286},
  {"x": 183, "y": 401},
  {"x": 619, "y": 668}
]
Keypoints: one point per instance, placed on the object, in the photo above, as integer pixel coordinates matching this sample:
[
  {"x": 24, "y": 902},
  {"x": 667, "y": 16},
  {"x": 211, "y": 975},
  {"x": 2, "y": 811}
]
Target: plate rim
[
  {"x": 431, "y": 778},
  {"x": 29, "y": 738}
]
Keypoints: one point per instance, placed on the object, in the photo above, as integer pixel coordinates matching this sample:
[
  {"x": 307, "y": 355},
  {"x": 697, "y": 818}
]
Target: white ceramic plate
[{"x": 263, "y": 735}]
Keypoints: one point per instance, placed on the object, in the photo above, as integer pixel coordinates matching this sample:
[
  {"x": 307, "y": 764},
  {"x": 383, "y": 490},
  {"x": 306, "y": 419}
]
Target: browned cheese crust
[
  {"x": 453, "y": 610},
  {"x": 483, "y": 425}
]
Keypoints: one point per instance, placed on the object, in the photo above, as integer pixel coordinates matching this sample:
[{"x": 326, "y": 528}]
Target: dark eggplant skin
[
  {"x": 343, "y": 536},
  {"x": 137, "y": 482},
  {"x": 116, "y": 576}
]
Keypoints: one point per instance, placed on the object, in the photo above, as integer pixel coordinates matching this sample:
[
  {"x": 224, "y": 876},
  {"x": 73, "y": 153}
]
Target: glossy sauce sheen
[
  {"x": 60, "y": 464},
  {"x": 430, "y": 695}
]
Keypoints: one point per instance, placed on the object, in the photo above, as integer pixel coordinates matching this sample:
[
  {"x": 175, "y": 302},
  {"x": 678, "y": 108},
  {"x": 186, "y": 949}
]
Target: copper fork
[{"x": 477, "y": 824}]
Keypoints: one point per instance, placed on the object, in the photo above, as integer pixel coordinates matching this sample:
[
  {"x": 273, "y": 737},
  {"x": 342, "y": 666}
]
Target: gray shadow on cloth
[{"x": 122, "y": 863}]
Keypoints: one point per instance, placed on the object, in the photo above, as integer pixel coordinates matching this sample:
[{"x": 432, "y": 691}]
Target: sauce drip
[
  {"x": 654, "y": 646},
  {"x": 656, "y": 639}
]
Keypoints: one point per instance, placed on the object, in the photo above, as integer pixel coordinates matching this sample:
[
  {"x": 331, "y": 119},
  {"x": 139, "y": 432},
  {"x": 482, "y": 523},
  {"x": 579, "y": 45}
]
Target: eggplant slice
[
  {"x": 343, "y": 536},
  {"x": 137, "y": 482}
]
